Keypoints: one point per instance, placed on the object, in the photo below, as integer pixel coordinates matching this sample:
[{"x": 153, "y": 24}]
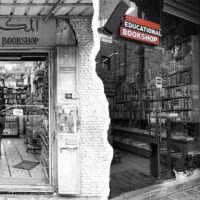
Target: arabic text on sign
[{"x": 9, "y": 26}]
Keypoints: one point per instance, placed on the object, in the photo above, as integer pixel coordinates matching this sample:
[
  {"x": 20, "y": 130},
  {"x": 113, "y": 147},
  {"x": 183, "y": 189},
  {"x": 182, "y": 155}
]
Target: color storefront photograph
[{"x": 149, "y": 64}]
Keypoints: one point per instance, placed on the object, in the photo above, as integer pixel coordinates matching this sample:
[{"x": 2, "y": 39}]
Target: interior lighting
[
  {"x": 111, "y": 55},
  {"x": 105, "y": 60},
  {"x": 8, "y": 66}
]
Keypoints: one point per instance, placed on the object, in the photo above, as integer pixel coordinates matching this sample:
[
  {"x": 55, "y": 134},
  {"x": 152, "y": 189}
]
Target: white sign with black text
[{"x": 158, "y": 82}]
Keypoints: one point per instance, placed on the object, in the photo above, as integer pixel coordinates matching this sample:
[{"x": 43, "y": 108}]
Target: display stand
[{"x": 11, "y": 126}]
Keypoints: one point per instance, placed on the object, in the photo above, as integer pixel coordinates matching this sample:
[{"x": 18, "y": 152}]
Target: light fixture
[
  {"x": 8, "y": 66},
  {"x": 111, "y": 55}
]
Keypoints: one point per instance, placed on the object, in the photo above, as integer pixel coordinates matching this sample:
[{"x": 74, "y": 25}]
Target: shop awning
[
  {"x": 185, "y": 9},
  {"x": 46, "y": 8}
]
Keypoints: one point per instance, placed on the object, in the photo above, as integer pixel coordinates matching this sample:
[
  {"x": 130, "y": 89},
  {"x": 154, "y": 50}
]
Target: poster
[{"x": 67, "y": 119}]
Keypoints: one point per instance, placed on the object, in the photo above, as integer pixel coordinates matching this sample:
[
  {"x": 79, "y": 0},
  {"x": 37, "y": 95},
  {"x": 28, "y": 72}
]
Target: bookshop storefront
[
  {"x": 150, "y": 70},
  {"x": 46, "y": 118},
  {"x": 33, "y": 108}
]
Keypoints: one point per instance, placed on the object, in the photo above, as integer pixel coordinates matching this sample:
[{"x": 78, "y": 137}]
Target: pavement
[
  {"x": 169, "y": 190},
  {"x": 190, "y": 194}
]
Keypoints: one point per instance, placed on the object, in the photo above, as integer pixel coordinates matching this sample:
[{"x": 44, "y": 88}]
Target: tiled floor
[{"x": 13, "y": 152}]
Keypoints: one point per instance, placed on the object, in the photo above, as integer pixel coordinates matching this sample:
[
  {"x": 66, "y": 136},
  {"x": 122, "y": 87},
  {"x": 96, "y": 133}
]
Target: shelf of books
[
  {"x": 180, "y": 74},
  {"x": 127, "y": 90},
  {"x": 179, "y": 95}
]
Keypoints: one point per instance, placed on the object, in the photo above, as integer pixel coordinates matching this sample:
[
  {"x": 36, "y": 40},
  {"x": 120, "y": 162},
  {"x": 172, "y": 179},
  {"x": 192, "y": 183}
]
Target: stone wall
[{"x": 96, "y": 154}]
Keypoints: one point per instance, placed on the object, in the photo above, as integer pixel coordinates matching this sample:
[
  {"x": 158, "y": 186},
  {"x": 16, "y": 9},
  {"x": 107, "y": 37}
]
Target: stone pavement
[
  {"x": 189, "y": 194},
  {"x": 170, "y": 190}
]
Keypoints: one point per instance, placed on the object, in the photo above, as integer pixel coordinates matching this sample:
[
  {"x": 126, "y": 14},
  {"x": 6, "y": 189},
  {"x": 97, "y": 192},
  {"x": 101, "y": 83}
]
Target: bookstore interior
[
  {"x": 24, "y": 119},
  {"x": 140, "y": 111}
]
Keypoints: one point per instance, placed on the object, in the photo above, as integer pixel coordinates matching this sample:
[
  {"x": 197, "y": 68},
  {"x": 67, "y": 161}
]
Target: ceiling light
[
  {"x": 111, "y": 55},
  {"x": 8, "y": 66}
]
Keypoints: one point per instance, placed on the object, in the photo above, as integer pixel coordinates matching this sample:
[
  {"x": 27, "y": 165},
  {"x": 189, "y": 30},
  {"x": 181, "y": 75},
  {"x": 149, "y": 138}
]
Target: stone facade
[{"x": 96, "y": 154}]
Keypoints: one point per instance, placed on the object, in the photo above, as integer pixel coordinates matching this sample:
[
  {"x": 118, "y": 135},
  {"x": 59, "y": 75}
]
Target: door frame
[{"x": 50, "y": 188}]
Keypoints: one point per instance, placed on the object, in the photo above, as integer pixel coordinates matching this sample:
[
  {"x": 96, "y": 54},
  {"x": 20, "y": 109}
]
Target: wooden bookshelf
[
  {"x": 135, "y": 81},
  {"x": 180, "y": 93}
]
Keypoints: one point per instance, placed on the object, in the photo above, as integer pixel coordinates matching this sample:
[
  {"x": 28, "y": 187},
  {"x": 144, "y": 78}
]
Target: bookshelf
[
  {"x": 37, "y": 113},
  {"x": 127, "y": 90},
  {"x": 11, "y": 126},
  {"x": 12, "y": 95},
  {"x": 132, "y": 74},
  {"x": 179, "y": 95},
  {"x": 180, "y": 73}
]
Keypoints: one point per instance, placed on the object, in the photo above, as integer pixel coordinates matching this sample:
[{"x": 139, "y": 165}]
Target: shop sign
[
  {"x": 19, "y": 82},
  {"x": 158, "y": 82},
  {"x": 27, "y": 32},
  {"x": 140, "y": 30},
  {"x": 18, "y": 112}
]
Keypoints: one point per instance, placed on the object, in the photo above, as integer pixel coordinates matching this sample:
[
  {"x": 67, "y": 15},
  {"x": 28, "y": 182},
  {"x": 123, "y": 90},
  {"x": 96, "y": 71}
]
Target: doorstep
[
  {"x": 43, "y": 197},
  {"x": 25, "y": 189},
  {"x": 157, "y": 191}
]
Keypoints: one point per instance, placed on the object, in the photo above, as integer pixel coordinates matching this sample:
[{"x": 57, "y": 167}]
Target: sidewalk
[{"x": 170, "y": 190}]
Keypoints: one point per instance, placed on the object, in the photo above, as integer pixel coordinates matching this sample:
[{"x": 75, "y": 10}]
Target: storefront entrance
[
  {"x": 25, "y": 114},
  {"x": 134, "y": 163}
]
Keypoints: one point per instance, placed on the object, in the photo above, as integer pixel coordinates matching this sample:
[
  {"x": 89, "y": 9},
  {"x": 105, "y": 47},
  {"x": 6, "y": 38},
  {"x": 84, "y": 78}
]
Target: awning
[
  {"x": 46, "y": 8},
  {"x": 185, "y": 9}
]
